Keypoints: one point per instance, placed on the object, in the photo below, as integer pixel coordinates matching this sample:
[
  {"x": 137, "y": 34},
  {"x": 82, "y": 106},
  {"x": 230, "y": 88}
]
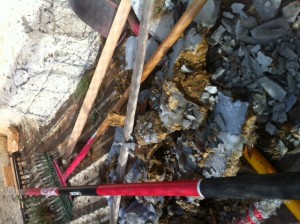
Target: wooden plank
[
  {"x": 101, "y": 69},
  {"x": 12, "y": 139},
  {"x": 8, "y": 176},
  {"x": 132, "y": 103}
]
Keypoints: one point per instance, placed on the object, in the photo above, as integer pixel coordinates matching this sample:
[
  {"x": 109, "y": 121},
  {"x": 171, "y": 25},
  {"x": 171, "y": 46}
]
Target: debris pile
[
  {"x": 231, "y": 82},
  {"x": 196, "y": 119}
]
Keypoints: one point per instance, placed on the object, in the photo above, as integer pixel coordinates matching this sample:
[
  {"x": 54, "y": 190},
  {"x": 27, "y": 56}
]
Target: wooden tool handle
[{"x": 102, "y": 66}]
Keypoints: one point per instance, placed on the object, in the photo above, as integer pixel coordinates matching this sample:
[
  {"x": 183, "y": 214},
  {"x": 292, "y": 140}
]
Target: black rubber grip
[{"x": 267, "y": 186}]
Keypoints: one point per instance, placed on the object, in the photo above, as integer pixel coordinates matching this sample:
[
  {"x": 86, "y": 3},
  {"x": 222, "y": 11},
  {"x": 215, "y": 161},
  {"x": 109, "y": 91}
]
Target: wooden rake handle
[{"x": 101, "y": 69}]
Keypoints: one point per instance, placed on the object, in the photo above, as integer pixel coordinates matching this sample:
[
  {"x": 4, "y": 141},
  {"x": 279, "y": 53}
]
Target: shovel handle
[{"x": 267, "y": 186}]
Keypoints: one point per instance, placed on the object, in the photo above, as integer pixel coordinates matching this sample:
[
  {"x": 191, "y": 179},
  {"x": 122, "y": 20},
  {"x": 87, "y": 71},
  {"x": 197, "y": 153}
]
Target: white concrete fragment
[
  {"x": 185, "y": 69},
  {"x": 233, "y": 113},
  {"x": 217, "y": 35},
  {"x": 272, "y": 88},
  {"x": 263, "y": 60},
  {"x": 169, "y": 4},
  {"x": 211, "y": 89},
  {"x": 218, "y": 74}
]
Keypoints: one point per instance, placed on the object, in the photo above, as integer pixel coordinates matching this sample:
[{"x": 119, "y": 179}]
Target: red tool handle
[{"x": 267, "y": 186}]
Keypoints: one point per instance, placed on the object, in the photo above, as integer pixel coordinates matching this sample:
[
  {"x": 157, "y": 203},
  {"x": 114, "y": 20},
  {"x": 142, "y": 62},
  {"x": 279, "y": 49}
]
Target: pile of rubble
[
  {"x": 213, "y": 94},
  {"x": 230, "y": 82}
]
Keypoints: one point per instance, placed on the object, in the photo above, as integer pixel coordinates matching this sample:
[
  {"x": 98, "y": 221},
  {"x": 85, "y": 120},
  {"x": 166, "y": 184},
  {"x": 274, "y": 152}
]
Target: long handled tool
[
  {"x": 102, "y": 66},
  {"x": 267, "y": 186}
]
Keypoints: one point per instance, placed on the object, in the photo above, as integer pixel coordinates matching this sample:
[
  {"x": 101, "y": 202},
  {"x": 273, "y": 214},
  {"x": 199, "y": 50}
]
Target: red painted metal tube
[
  {"x": 79, "y": 158},
  {"x": 173, "y": 188},
  {"x": 267, "y": 186}
]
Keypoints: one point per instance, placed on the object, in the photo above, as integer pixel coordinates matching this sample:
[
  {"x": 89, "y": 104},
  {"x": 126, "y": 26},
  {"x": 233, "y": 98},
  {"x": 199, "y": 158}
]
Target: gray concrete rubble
[
  {"x": 138, "y": 213},
  {"x": 203, "y": 121},
  {"x": 267, "y": 9},
  {"x": 209, "y": 14},
  {"x": 230, "y": 82},
  {"x": 229, "y": 118},
  {"x": 177, "y": 113}
]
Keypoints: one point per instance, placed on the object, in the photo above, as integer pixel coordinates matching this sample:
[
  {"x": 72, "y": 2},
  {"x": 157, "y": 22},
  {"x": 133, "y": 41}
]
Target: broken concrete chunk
[
  {"x": 290, "y": 102},
  {"x": 149, "y": 129},
  {"x": 138, "y": 213},
  {"x": 263, "y": 60},
  {"x": 130, "y": 52},
  {"x": 271, "y": 30},
  {"x": 267, "y": 9},
  {"x": 177, "y": 48},
  {"x": 192, "y": 40},
  {"x": 177, "y": 113},
  {"x": 194, "y": 54},
  {"x": 208, "y": 14},
  {"x": 271, "y": 129},
  {"x": 152, "y": 46},
  {"x": 135, "y": 172},
  {"x": 282, "y": 148},
  {"x": 217, "y": 35},
  {"x": 185, "y": 69},
  {"x": 237, "y": 7},
  {"x": 256, "y": 68},
  {"x": 239, "y": 29},
  {"x": 288, "y": 53},
  {"x": 297, "y": 44},
  {"x": 228, "y": 15},
  {"x": 291, "y": 84},
  {"x": 278, "y": 113},
  {"x": 292, "y": 67},
  {"x": 211, "y": 89},
  {"x": 272, "y": 88},
  {"x": 228, "y": 25},
  {"x": 255, "y": 49},
  {"x": 169, "y": 4},
  {"x": 116, "y": 146},
  {"x": 233, "y": 113},
  {"x": 249, "y": 22},
  {"x": 259, "y": 104},
  {"x": 291, "y": 11}
]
